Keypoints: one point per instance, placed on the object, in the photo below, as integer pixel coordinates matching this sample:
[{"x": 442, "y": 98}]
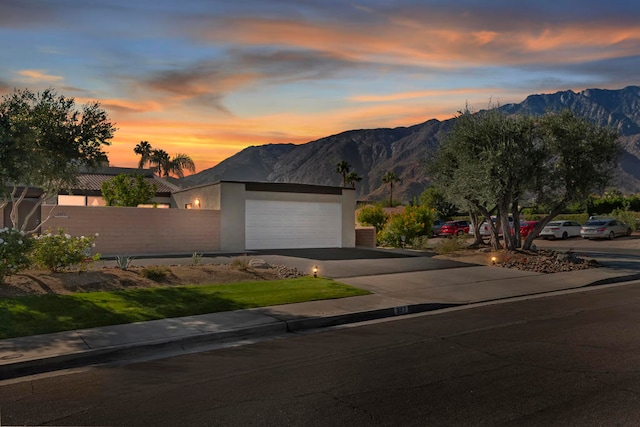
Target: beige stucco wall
[
  {"x": 209, "y": 196},
  {"x": 140, "y": 231}
]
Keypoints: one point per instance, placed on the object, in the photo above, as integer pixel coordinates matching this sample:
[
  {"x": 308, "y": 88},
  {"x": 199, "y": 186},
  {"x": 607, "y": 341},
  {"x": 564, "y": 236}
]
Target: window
[{"x": 65, "y": 200}]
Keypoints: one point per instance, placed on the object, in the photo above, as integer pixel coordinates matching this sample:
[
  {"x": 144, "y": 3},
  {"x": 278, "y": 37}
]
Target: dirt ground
[{"x": 37, "y": 282}]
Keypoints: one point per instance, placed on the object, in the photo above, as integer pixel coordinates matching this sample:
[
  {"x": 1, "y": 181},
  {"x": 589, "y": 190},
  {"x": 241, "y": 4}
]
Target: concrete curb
[{"x": 120, "y": 352}]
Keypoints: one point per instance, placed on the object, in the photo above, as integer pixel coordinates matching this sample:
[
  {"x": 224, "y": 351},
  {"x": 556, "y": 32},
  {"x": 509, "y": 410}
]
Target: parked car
[
  {"x": 437, "y": 227},
  {"x": 485, "y": 230},
  {"x": 604, "y": 229},
  {"x": 527, "y": 227},
  {"x": 560, "y": 230},
  {"x": 455, "y": 228}
]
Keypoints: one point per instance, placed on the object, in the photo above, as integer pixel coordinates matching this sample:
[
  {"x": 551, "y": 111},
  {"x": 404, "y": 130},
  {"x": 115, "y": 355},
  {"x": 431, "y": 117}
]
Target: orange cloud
[
  {"x": 403, "y": 41},
  {"x": 38, "y": 76}
]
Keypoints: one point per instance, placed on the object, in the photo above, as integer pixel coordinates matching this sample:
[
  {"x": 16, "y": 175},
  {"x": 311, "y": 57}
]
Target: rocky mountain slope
[{"x": 373, "y": 152}]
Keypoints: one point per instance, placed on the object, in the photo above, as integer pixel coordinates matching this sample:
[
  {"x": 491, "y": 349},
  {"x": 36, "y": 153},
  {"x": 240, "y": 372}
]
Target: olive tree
[
  {"x": 127, "y": 190},
  {"x": 491, "y": 161},
  {"x": 44, "y": 141},
  {"x": 580, "y": 157},
  {"x": 484, "y": 163}
]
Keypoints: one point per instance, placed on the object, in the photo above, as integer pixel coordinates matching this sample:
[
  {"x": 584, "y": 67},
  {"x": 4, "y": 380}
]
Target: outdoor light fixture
[
  {"x": 315, "y": 271},
  {"x": 493, "y": 260},
  {"x": 197, "y": 202}
]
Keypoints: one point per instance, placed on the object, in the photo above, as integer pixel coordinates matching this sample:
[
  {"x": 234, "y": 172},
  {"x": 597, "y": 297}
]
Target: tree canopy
[
  {"x": 128, "y": 190},
  {"x": 44, "y": 140},
  {"x": 492, "y": 162}
]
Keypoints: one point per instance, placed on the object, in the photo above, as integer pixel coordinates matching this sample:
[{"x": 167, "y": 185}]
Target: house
[
  {"x": 88, "y": 190},
  {"x": 226, "y": 216},
  {"x": 261, "y": 215}
]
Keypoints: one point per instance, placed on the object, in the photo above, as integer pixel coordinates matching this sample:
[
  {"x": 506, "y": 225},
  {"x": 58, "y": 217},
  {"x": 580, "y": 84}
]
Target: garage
[{"x": 273, "y": 224}]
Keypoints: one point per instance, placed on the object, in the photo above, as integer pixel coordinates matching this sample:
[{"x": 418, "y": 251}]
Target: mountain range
[{"x": 403, "y": 150}]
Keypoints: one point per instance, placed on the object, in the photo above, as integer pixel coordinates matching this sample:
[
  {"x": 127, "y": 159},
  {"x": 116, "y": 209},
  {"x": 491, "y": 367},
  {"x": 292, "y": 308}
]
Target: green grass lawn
[{"x": 34, "y": 315}]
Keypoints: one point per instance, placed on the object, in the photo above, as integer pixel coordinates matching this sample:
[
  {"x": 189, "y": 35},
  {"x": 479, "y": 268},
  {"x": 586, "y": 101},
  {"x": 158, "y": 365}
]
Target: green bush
[
  {"x": 373, "y": 215},
  {"x": 59, "y": 251},
  {"x": 628, "y": 217},
  {"x": 14, "y": 251},
  {"x": 414, "y": 221}
]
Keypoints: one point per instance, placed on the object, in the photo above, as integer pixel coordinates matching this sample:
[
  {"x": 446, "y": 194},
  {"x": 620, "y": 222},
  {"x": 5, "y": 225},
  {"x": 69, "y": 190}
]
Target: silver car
[
  {"x": 604, "y": 229},
  {"x": 560, "y": 230}
]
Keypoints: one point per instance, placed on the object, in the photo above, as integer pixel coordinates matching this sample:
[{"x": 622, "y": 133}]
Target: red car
[
  {"x": 455, "y": 228},
  {"x": 527, "y": 227}
]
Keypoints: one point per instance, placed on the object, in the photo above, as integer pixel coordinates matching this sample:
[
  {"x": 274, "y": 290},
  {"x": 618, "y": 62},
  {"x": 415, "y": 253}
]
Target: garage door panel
[{"x": 289, "y": 225}]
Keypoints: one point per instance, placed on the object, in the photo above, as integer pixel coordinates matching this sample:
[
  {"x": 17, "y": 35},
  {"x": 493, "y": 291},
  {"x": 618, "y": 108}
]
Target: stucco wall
[
  {"x": 138, "y": 231},
  {"x": 208, "y": 195}
]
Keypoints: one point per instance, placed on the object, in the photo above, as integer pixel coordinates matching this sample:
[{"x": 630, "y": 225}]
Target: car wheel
[
  {"x": 564, "y": 235},
  {"x": 612, "y": 235},
  {"x": 628, "y": 232},
  {"x": 459, "y": 233}
]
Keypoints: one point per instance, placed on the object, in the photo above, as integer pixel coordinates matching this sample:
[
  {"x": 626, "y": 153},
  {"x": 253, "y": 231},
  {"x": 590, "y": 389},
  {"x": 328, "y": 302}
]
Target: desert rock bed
[{"x": 539, "y": 261}]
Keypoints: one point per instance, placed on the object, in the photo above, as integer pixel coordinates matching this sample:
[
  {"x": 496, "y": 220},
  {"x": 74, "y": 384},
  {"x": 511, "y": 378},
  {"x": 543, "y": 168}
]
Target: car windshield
[
  {"x": 596, "y": 223},
  {"x": 553, "y": 224}
]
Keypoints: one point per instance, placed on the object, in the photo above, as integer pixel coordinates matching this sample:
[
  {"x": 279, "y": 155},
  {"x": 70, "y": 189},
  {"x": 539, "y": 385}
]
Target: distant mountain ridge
[{"x": 372, "y": 152}]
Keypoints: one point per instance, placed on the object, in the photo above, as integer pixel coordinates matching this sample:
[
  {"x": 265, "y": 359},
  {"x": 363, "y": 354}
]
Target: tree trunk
[{"x": 541, "y": 224}]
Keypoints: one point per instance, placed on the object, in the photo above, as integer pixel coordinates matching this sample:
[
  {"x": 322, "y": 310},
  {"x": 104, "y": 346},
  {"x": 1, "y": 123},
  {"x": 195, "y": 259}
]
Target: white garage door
[{"x": 289, "y": 225}]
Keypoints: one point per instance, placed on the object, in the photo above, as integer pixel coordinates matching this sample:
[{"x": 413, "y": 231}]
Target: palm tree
[
  {"x": 352, "y": 178},
  {"x": 144, "y": 150},
  {"x": 343, "y": 168},
  {"x": 164, "y": 165},
  {"x": 179, "y": 164},
  {"x": 390, "y": 178}
]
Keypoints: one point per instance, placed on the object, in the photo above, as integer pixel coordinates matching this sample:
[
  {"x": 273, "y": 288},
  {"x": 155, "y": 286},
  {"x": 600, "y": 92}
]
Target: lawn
[{"x": 42, "y": 314}]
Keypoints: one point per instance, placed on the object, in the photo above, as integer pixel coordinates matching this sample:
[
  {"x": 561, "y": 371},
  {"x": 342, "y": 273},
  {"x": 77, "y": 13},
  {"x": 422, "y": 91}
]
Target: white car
[
  {"x": 485, "y": 229},
  {"x": 604, "y": 229},
  {"x": 560, "y": 230}
]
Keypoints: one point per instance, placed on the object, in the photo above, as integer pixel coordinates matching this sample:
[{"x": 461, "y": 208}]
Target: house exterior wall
[
  {"x": 135, "y": 231},
  {"x": 234, "y": 196},
  {"x": 208, "y": 195}
]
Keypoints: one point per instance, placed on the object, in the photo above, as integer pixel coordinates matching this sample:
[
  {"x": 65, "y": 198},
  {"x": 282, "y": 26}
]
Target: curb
[{"x": 115, "y": 353}]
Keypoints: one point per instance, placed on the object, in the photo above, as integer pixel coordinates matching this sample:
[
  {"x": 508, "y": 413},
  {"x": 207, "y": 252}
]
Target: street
[{"x": 570, "y": 359}]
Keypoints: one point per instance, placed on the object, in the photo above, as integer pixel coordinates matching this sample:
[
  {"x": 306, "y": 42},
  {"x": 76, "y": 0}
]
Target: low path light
[{"x": 315, "y": 271}]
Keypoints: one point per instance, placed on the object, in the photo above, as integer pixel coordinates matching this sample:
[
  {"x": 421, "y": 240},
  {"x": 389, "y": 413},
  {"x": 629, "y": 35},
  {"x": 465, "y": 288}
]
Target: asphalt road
[{"x": 571, "y": 359}]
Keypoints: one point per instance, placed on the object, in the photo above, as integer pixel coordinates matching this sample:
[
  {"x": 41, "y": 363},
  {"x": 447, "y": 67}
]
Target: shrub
[
  {"x": 448, "y": 246},
  {"x": 196, "y": 258},
  {"x": 59, "y": 251},
  {"x": 157, "y": 274},
  {"x": 628, "y": 217},
  {"x": 373, "y": 215},
  {"x": 241, "y": 264},
  {"x": 14, "y": 251},
  {"x": 414, "y": 221}
]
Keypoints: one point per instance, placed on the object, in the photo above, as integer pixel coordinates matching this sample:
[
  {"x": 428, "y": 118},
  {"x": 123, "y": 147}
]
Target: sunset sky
[{"x": 209, "y": 78}]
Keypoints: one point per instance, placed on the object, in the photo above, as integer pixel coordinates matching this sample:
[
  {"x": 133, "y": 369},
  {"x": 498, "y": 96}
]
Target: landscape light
[
  {"x": 493, "y": 260},
  {"x": 315, "y": 271}
]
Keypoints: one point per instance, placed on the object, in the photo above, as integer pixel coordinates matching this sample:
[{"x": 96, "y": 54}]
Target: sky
[{"x": 209, "y": 78}]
